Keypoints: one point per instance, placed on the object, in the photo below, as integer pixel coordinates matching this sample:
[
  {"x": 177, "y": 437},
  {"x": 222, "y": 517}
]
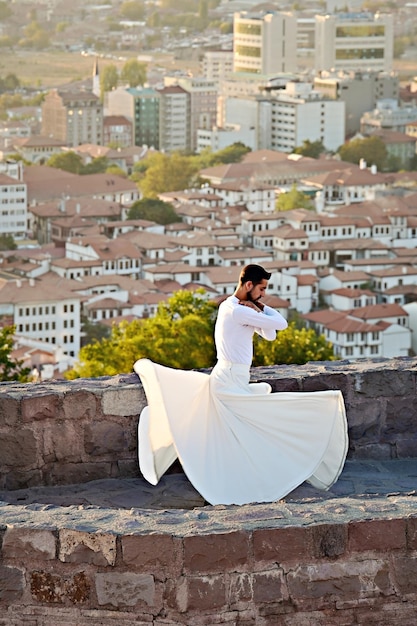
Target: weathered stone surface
[
  {"x": 125, "y": 589},
  {"x": 104, "y": 437},
  {"x": 62, "y": 442},
  {"x": 201, "y": 593},
  {"x": 323, "y": 382},
  {"x": 12, "y": 584},
  {"x": 380, "y": 535},
  {"x": 216, "y": 552},
  {"x": 9, "y": 410},
  {"x": 269, "y": 587},
  {"x": 384, "y": 383},
  {"x": 56, "y": 589},
  {"x": 18, "y": 448},
  {"x": 329, "y": 540},
  {"x": 405, "y": 569},
  {"x": 366, "y": 420},
  {"x": 281, "y": 545},
  {"x": 79, "y": 404},
  {"x": 128, "y": 401},
  {"x": 161, "y": 554},
  {"x": 16, "y": 479},
  {"x": 41, "y": 407},
  {"x": 401, "y": 415},
  {"x": 341, "y": 581},
  {"x": 72, "y": 473},
  {"x": 21, "y": 543},
  {"x": 411, "y": 533},
  {"x": 79, "y": 547},
  {"x": 406, "y": 448},
  {"x": 240, "y": 588}
]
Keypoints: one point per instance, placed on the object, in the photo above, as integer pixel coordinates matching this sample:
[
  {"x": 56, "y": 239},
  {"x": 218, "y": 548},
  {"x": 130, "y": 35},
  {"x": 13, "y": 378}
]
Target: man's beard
[{"x": 249, "y": 296}]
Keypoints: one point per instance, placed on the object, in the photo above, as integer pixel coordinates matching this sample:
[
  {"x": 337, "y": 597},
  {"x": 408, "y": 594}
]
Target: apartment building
[
  {"x": 360, "y": 90},
  {"x": 140, "y": 105},
  {"x": 388, "y": 115},
  {"x": 13, "y": 207},
  {"x": 174, "y": 119},
  {"x": 74, "y": 117},
  {"x": 117, "y": 131},
  {"x": 217, "y": 65},
  {"x": 264, "y": 42},
  {"x": 45, "y": 309},
  {"x": 351, "y": 41}
]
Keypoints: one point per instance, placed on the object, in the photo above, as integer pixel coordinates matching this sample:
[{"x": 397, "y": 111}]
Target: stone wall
[
  {"x": 319, "y": 563},
  {"x": 71, "y": 432}
]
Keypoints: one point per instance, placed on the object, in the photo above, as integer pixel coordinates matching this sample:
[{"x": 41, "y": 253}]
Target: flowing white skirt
[{"x": 237, "y": 442}]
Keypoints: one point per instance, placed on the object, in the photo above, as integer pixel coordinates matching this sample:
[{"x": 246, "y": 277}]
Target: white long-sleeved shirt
[{"x": 236, "y": 325}]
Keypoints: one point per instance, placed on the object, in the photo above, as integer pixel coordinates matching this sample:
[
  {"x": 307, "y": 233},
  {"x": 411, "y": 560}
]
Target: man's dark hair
[{"x": 255, "y": 273}]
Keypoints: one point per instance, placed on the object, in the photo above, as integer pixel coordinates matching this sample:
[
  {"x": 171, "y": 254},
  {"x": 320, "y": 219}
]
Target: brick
[
  {"x": 339, "y": 581},
  {"x": 157, "y": 553},
  {"x": 125, "y": 589},
  {"x": 79, "y": 547},
  {"x": 41, "y": 407},
  {"x": 104, "y": 437},
  {"x": 381, "y": 535},
  {"x": 9, "y": 410},
  {"x": 21, "y": 543},
  {"x": 79, "y": 405},
  {"x": 12, "y": 584},
  {"x": 269, "y": 587},
  {"x": 123, "y": 401},
  {"x": 216, "y": 552},
  {"x": 18, "y": 449},
  {"x": 201, "y": 593},
  {"x": 282, "y": 545}
]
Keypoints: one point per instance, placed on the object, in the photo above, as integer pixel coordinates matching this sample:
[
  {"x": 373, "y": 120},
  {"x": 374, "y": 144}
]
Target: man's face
[{"x": 256, "y": 292}]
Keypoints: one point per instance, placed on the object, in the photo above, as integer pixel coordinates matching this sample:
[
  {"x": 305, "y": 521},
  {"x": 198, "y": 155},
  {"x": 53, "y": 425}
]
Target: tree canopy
[
  {"x": 10, "y": 369},
  {"x": 133, "y": 10},
  {"x": 154, "y": 210},
  {"x": 68, "y": 161},
  {"x": 311, "y": 149},
  {"x": 167, "y": 173},
  {"x": 371, "y": 149},
  {"x": 293, "y": 199},
  {"x": 109, "y": 77},
  {"x": 181, "y": 335},
  {"x": 133, "y": 73}
]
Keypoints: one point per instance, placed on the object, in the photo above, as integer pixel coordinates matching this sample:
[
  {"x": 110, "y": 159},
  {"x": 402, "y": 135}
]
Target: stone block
[
  {"x": 371, "y": 451},
  {"x": 406, "y": 448},
  {"x": 329, "y": 540},
  {"x": 125, "y": 589},
  {"x": 12, "y": 584},
  {"x": 269, "y": 587},
  {"x": 405, "y": 571},
  {"x": 366, "y": 419},
  {"x": 385, "y": 383},
  {"x": 326, "y": 381},
  {"x": 216, "y": 552},
  {"x": 281, "y": 545},
  {"x": 378, "y": 535},
  {"x": 412, "y": 533},
  {"x": 16, "y": 479},
  {"x": 240, "y": 589},
  {"x": 104, "y": 437},
  {"x": 72, "y": 473},
  {"x": 159, "y": 554},
  {"x": 56, "y": 589},
  {"x": 41, "y": 407},
  {"x": 19, "y": 449},
  {"x": 23, "y": 543},
  {"x": 9, "y": 410},
  {"x": 340, "y": 581},
  {"x": 80, "y": 404},
  {"x": 62, "y": 442},
  {"x": 93, "y": 548},
  {"x": 200, "y": 593},
  {"x": 401, "y": 415},
  {"x": 122, "y": 401}
]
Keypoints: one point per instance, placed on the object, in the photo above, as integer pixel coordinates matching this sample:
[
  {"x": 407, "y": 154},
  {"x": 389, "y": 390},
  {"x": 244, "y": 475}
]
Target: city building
[
  {"x": 353, "y": 41},
  {"x": 264, "y": 42},
  {"x": 174, "y": 119},
  {"x": 359, "y": 90},
  {"x": 388, "y": 115},
  {"x": 74, "y": 117},
  {"x": 13, "y": 203},
  {"x": 117, "y": 131},
  {"x": 140, "y": 106},
  {"x": 217, "y": 64}
]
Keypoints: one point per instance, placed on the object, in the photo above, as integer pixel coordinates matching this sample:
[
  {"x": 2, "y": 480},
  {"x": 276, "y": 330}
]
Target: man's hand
[{"x": 256, "y": 306}]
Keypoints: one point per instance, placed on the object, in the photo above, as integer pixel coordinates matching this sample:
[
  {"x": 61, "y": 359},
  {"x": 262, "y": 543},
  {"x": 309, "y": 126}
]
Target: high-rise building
[
  {"x": 217, "y": 64},
  {"x": 13, "y": 201},
  {"x": 264, "y": 42},
  {"x": 174, "y": 119},
  {"x": 74, "y": 117},
  {"x": 354, "y": 41},
  {"x": 141, "y": 106}
]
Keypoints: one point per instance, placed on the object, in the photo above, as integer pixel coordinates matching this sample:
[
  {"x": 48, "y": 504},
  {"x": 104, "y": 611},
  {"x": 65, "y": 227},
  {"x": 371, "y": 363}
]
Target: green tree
[
  {"x": 167, "y": 173},
  {"x": 109, "y": 77},
  {"x": 372, "y": 149},
  {"x": 133, "y": 10},
  {"x": 10, "y": 369},
  {"x": 116, "y": 170},
  {"x": 310, "y": 148},
  {"x": 7, "y": 242},
  {"x": 35, "y": 36},
  {"x": 231, "y": 154},
  {"x": 68, "y": 161},
  {"x": 293, "y": 199},
  {"x": 5, "y": 11},
  {"x": 98, "y": 165},
  {"x": 293, "y": 345},
  {"x": 93, "y": 331},
  {"x": 180, "y": 335},
  {"x": 133, "y": 73},
  {"x": 154, "y": 210}
]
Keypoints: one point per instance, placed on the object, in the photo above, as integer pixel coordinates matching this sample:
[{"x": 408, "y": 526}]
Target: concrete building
[
  {"x": 388, "y": 115},
  {"x": 218, "y": 138},
  {"x": 141, "y": 107},
  {"x": 217, "y": 64},
  {"x": 117, "y": 131},
  {"x": 73, "y": 117},
  {"x": 346, "y": 41},
  {"x": 264, "y": 42},
  {"x": 359, "y": 90},
  {"x": 174, "y": 119},
  {"x": 13, "y": 201}
]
